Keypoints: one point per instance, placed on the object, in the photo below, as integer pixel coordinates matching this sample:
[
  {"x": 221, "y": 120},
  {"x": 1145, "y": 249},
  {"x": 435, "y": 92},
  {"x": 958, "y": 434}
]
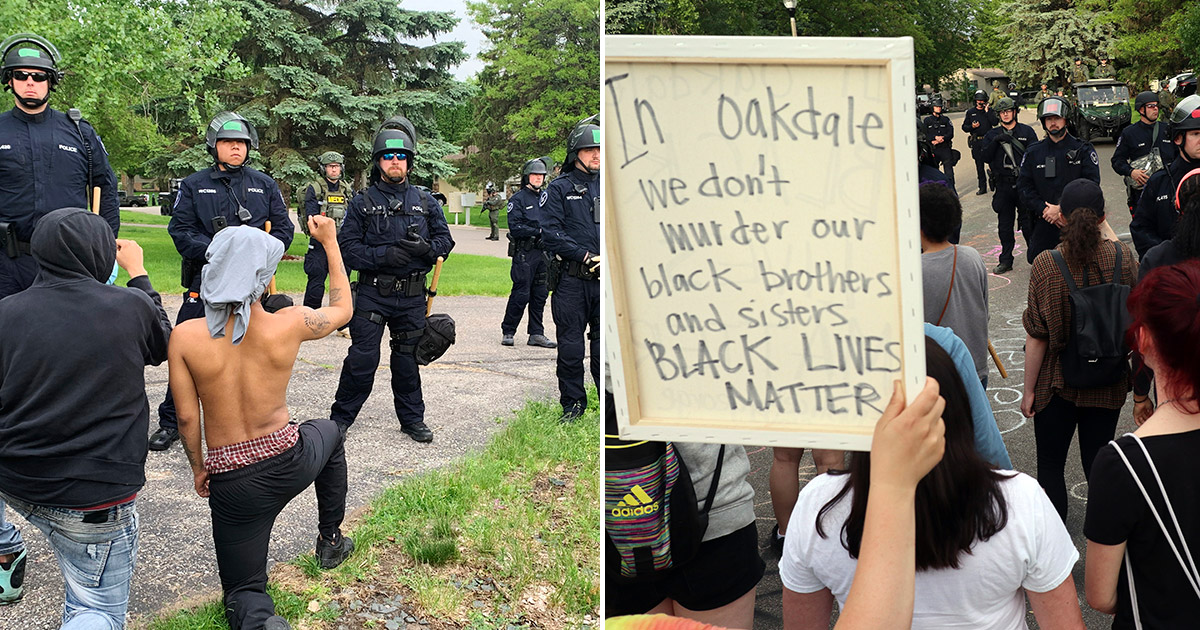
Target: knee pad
[{"x": 405, "y": 341}]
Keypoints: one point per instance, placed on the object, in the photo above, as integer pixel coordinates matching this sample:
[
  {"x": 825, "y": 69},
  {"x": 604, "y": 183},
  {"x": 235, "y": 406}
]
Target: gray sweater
[
  {"x": 967, "y": 312},
  {"x": 733, "y": 506}
]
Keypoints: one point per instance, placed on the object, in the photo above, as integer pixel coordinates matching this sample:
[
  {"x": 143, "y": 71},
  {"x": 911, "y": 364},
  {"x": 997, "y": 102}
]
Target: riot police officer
[
  {"x": 227, "y": 193},
  {"x": 1143, "y": 148},
  {"x": 393, "y": 234},
  {"x": 48, "y": 159},
  {"x": 941, "y": 136},
  {"x": 570, "y": 221},
  {"x": 1156, "y": 214},
  {"x": 1048, "y": 166},
  {"x": 327, "y": 196},
  {"x": 1003, "y": 148},
  {"x": 528, "y": 271},
  {"x": 976, "y": 123}
]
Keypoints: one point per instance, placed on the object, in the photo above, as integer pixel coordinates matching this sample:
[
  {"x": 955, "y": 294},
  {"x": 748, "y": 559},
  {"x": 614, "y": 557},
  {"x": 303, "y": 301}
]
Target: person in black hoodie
[{"x": 74, "y": 415}]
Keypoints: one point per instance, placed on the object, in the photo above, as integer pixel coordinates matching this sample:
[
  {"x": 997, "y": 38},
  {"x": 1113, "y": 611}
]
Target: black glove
[
  {"x": 416, "y": 247},
  {"x": 276, "y": 302},
  {"x": 1003, "y": 137},
  {"x": 396, "y": 256}
]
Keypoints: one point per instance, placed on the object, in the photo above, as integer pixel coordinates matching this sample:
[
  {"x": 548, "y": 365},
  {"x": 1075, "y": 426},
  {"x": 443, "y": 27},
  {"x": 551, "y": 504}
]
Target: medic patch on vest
[{"x": 331, "y": 198}]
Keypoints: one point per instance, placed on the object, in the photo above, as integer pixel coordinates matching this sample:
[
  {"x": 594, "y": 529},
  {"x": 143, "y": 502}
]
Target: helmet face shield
[
  {"x": 1052, "y": 107},
  {"x": 230, "y": 126}
]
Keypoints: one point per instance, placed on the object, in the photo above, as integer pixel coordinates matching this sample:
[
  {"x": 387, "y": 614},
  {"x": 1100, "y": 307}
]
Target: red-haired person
[{"x": 1157, "y": 581}]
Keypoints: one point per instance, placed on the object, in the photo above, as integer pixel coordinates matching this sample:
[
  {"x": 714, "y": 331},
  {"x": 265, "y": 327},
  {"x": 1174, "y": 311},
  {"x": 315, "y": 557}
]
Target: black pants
[
  {"x": 980, "y": 163},
  {"x": 576, "y": 309},
  {"x": 245, "y": 502},
  {"x": 1053, "y": 428},
  {"x": 192, "y": 308},
  {"x": 1132, "y": 195},
  {"x": 1004, "y": 204},
  {"x": 945, "y": 157},
  {"x": 528, "y": 275},
  {"x": 1042, "y": 234},
  {"x": 404, "y": 316},
  {"x": 16, "y": 274},
  {"x": 316, "y": 267}
]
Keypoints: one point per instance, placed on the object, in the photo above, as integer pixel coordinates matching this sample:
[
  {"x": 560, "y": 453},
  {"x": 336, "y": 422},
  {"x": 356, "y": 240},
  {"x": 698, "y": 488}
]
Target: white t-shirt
[{"x": 1033, "y": 552}]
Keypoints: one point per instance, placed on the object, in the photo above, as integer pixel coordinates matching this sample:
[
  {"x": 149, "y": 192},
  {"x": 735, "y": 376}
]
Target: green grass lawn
[
  {"x": 523, "y": 513},
  {"x": 462, "y": 274}
]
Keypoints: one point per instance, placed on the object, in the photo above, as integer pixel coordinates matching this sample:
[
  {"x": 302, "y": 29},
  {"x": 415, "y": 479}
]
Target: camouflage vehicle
[{"x": 1099, "y": 107}]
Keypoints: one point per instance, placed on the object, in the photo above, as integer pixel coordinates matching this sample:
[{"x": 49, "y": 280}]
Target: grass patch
[
  {"x": 133, "y": 216},
  {"x": 508, "y": 535},
  {"x": 462, "y": 274}
]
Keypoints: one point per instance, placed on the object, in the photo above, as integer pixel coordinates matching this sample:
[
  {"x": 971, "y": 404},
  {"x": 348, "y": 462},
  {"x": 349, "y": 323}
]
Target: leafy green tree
[
  {"x": 989, "y": 43},
  {"x": 697, "y": 17},
  {"x": 1149, "y": 36},
  {"x": 542, "y": 75},
  {"x": 1045, "y": 37}
]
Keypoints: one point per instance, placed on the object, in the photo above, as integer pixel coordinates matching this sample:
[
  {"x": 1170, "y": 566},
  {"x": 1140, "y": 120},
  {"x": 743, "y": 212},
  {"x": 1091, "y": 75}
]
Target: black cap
[{"x": 1082, "y": 193}]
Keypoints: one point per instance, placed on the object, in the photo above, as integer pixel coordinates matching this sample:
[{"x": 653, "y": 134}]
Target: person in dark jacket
[
  {"x": 1156, "y": 214},
  {"x": 393, "y": 235},
  {"x": 570, "y": 221},
  {"x": 228, "y": 193},
  {"x": 73, "y": 422},
  {"x": 941, "y": 136},
  {"x": 1003, "y": 148},
  {"x": 1146, "y": 144},
  {"x": 48, "y": 160},
  {"x": 528, "y": 271},
  {"x": 1047, "y": 168},
  {"x": 976, "y": 124}
]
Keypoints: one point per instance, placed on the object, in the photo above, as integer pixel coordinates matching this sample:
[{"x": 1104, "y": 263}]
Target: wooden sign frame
[{"x": 632, "y": 356}]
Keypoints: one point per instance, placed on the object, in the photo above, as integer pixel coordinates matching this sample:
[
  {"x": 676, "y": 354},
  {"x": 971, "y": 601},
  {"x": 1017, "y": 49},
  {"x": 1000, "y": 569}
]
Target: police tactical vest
[{"x": 333, "y": 203}]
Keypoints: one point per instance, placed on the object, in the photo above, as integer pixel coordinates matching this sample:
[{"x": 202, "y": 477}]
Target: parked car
[
  {"x": 167, "y": 199},
  {"x": 1100, "y": 107},
  {"x": 924, "y": 105},
  {"x": 138, "y": 200}
]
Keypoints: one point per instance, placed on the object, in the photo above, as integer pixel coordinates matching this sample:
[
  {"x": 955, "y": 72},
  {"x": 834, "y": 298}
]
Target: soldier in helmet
[
  {"x": 393, "y": 234},
  {"x": 1048, "y": 166},
  {"x": 1156, "y": 213},
  {"x": 570, "y": 221},
  {"x": 49, "y": 159},
  {"x": 1105, "y": 70},
  {"x": 1143, "y": 148},
  {"x": 996, "y": 94},
  {"x": 492, "y": 205},
  {"x": 1003, "y": 148},
  {"x": 1079, "y": 72},
  {"x": 941, "y": 136},
  {"x": 1044, "y": 94},
  {"x": 528, "y": 271},
  {"x": 225, "y": 194},
  {"x": 976, "y": 124},
  {"x": 327, "y": 197}
]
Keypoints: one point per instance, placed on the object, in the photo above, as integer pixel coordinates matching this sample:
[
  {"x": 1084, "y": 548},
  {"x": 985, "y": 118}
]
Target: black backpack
[
  {"x": 436, "y": 340},
  {"x": 652, "y": 523},
  {"x": 1096, "y": 354}
]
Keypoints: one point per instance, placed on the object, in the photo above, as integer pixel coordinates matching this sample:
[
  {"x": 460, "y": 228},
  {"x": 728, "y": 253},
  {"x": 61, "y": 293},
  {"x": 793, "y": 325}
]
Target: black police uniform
[
  {"x": 1136, "y": 141},
  {"x": 44, "y": 167},
  {"x": 1006, "y": 202},
  {"x": 941, "y": 126},
  {"x": 1155, "y": 218},
  {"x": 1072, "y": 159},
  {"x": 378, "y": 218},
  {"x": 570, "y": 222},
  {"x": 528, "y": 271},
  {"x": 316, "y": 264},
  {"x": 987, "y": 120},
  {"x": 209, "y": 200}
]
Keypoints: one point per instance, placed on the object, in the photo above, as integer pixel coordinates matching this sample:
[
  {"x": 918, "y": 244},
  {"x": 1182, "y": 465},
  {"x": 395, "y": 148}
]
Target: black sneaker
[
  {"x": 418, "y": 431},
  {"x": 981, "y": 191},
  {"x": 776, "y": 541},
  {"x": 541, "y": 341},
  {"x": 12, "y": 579},
  {"x": 572, "y": 412},
  {"x": 331, "y": 554},
  {"x": 163, "y": 438},
  {"x": 507, "y": 340},
  {"x": 1002, "y": 267},
  {"x": 276, "y": 622}
]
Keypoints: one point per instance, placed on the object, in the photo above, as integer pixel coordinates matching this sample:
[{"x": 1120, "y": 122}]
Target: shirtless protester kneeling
[{"x": 236, "y": 362}]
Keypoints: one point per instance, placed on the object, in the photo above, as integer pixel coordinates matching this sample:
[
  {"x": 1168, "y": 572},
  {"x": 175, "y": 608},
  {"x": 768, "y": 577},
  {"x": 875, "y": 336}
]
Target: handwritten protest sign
[{"x": 762, "y": 235}]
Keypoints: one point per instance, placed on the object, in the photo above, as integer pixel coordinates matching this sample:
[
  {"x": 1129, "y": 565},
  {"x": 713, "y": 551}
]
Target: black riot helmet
[
  {"x": 534, "y": 167},
  {"x": 585, "y": 135},
  {"x": 1053, "y": 106},
  {"x": 230, "y": 126},
  {"x": 980, "y": 96},
  {"x": 26, "y": 50},
  {"x": 1143, "y": 99},
  {"x": 1186, "y": 115},
  {"x": 936, "y": 101}
]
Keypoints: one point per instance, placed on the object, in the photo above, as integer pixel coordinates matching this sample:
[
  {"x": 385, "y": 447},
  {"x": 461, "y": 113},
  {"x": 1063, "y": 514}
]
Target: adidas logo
[{"x": 636, "y": 503}]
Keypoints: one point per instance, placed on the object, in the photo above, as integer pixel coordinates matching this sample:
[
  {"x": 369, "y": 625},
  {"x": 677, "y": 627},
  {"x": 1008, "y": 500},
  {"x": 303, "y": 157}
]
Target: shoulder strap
[
  {"x": 1116, "y": 277},
  {"x": 953, "y": 267},
  {"x": 1154, "y": 134},
  {"x": 1062, "y": 266},
  {"x": 712, "y": 488},
  {"x": 1016, "y": 141}
]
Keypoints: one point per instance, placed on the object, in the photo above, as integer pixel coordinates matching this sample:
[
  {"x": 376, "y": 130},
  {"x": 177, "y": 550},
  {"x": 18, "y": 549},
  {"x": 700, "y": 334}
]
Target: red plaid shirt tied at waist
[{"x": 234, "y": 456}]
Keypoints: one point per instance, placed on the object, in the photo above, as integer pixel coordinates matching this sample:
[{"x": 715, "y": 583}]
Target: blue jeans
[
  {"x": 10, "y": 536},
  {"x": 96, "y": 552}
]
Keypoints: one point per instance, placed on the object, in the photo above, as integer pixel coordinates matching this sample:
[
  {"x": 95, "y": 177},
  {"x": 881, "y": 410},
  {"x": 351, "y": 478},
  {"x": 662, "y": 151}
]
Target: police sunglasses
[
  {"x": 38, "y": 77},
  {"x": 394, "y": 156}
]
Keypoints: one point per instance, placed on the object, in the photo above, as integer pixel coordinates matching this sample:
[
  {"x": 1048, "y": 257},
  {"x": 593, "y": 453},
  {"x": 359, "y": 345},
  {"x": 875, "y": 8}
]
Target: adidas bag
[
  {"x": 1096, "y": 354},
  {"x": 437, "y": 338},
  {"x": 652, "y": 522}
]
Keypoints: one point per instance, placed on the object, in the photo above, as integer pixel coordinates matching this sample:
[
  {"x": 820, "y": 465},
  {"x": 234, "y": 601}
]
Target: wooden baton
[
  {"x": 996, "y": 358},
  {"x": 271, "y": 285},
  {"x": 437, "y": 273}
]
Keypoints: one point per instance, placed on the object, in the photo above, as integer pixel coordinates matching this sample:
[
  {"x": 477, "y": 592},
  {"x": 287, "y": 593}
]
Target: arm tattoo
[
  {"x": 335, "y": 296},
  {"x": 317, "y": 322},
  {"x": 193, "y": 456}
]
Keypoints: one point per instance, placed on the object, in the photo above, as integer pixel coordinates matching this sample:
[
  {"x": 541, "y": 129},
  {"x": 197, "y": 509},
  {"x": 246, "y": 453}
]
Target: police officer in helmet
[
  {"x": 570, "y": 221},
  {"x": 977, "y": 122},
  {"x": 226, "y": 194},
  {"x": 1156, "y": 213},
  {"x": 1047, "y": 168},
  {"x": 528, "y": 272},
  {"x": 1003, "y": 148},
  {"x": 328, "y": 197},
  {"x": 941, "y": 136},
  {"x": 1143, "y": 149},
  {"x": 48, "y": 159},
  {"x": 393, "y": 234}
]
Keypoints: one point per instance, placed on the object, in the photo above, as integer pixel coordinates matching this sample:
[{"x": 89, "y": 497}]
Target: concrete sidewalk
[{"x": 467, "y": 392}]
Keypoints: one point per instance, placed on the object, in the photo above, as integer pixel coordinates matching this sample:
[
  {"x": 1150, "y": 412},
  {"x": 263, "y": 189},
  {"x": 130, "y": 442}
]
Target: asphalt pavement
[
  {"x": 1007, "y": 294},
  {"x": 468, "y": 393}
]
